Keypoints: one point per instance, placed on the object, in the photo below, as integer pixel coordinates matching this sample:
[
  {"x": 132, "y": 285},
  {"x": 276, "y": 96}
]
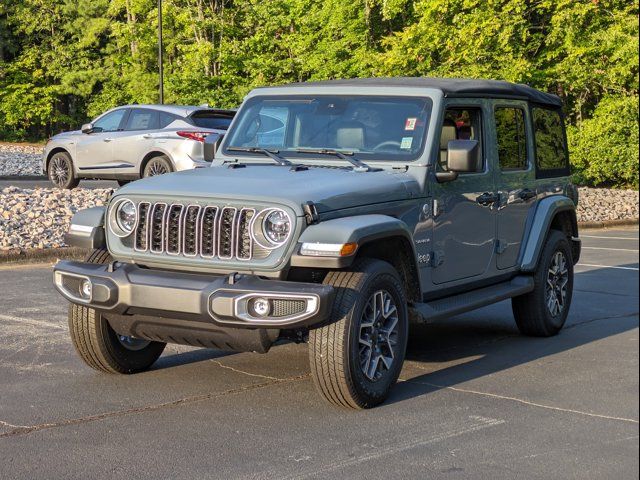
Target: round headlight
[
  {"x": 276, "y": 227},
  {"x": 126, "y": 217}
]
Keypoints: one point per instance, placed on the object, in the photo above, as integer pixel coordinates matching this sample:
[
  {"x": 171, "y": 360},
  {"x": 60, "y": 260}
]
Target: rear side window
[
  {"x": 142, "y": 119},
  {"x": 511, "y": 137},
  {"x": 212, "y": 119},
  {"x": 166, "y": 119},
  {"x": 551, "y": 147}
]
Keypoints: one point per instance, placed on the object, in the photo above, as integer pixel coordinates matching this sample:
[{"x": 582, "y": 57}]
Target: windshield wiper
[
  {"x": 273, "y": 154},
  {"x": 348, "y": 156}
]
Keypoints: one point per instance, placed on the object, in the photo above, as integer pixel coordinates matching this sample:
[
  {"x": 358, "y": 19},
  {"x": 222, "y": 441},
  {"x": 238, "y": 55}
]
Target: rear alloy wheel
[
  {"x": 60, "y": 171},
  {"x": 543, "y": 311},
  {"x": 157, "y": 166}
]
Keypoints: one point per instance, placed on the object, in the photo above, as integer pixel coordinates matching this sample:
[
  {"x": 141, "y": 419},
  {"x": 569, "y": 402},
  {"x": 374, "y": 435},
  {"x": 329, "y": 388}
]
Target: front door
[
  {"x": 94, "y": 151},
  {"x": 464, "y": 217},
  {"x": 514, "y": 175}
]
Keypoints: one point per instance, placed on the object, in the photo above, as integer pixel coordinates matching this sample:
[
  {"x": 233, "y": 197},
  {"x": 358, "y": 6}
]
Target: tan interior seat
[
  {"x": 449, "y": 132},
  {"x": 350, "y": 135}
]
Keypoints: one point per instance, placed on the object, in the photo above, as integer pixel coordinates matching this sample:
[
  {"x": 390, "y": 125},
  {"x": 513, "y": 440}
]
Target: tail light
[{"x": 197, "y": 136}]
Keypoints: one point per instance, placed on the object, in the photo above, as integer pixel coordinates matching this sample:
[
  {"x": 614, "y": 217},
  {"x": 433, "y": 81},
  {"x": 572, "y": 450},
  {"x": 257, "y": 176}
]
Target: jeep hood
[{"x": 328, "y": 188}]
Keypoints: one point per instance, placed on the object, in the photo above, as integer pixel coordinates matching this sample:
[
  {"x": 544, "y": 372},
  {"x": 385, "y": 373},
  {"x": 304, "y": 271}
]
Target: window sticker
[
  {"x": 410, "y": 124},
  {"x": 406, "y": 143}
]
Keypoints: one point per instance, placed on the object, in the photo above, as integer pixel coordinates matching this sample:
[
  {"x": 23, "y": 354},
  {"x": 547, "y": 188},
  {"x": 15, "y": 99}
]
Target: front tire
[
  {"x": 99, "y": 346},
  {"x": 60, "y": 171},
  {"x": 357, "y": 356},
  {"x": 543, "y": 311}
]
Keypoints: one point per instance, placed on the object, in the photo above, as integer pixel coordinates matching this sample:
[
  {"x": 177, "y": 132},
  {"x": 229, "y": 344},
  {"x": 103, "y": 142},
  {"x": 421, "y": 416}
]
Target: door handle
[
  {"x": 487, "y": 199},
  {"x": 107, "y": 139},
  {"x": 527, "y": 194},
  {"x": 147, "y": 135}
]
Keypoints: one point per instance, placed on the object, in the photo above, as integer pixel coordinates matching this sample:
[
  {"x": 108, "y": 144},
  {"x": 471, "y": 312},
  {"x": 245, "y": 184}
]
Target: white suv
[{"x": 134, "y": 141}]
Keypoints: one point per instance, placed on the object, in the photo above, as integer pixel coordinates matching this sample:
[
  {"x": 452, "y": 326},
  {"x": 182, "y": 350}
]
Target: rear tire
[
  {"x": 543, "y": 311},
  {"x": 157, "y": 166},
  {"x": 99, "y": 346},
  {"x": 357, "y": 356},
  {"x": 60, "y": 171}
]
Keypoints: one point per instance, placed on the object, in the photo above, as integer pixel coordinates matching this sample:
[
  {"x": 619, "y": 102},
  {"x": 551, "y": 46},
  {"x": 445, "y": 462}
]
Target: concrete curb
[
  {"x": 42, "y": 255},
  {"x": 625, "y": 222},
  {"x": 5, "y": 178}
]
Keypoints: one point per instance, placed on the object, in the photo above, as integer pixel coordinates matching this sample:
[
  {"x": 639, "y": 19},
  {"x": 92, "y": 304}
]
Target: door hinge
[{"x": 437, "y": 258}]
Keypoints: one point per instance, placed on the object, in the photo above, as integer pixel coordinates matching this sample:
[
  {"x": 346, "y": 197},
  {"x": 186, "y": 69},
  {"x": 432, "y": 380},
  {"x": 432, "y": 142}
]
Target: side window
[
  {"x": 142, "y": 119},
  {"x": 266, "y": 127},
  {"x": 110, "y": 122},
  {"x": 551, "y": 149},
  {"x": 511, "y": 137},
  {"x": 166, "y": 119},
  {"x": 460, "y": 124}
]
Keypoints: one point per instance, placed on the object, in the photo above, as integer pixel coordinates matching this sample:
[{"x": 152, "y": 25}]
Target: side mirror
[
  {"x": 87, "y": 128},
  {"x": 463, "y": 156},
  {"x": 211, "y": 144}
]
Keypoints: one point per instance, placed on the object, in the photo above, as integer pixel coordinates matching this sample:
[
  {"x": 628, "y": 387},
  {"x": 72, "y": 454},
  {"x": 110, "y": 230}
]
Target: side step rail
[{"x": 464, "y": 302}]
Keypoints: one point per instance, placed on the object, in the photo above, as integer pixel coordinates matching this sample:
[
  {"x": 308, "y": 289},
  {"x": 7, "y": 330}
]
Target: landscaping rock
[
  {"x": 20, "y": 159},
  {"x": 38, "y": 218}
]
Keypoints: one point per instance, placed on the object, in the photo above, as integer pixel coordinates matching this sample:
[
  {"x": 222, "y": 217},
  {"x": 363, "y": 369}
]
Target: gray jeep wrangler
[{"x": 335, "y": 213}]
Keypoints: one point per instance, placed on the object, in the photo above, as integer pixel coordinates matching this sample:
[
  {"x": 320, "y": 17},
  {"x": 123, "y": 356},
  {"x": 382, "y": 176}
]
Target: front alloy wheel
[
  {"x": 378, "y": 335},
  {"x": 357, "y": 355},
  {"x": 132, "y": 343},
  {"x": 60, "y": 171}
]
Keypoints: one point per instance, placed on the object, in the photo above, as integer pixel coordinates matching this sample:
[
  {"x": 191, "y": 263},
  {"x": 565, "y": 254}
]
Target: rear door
[
  {"x": 464, "y": 226},
  {"x": 515, "y": 177},
  {"x": 135, "y": 141}
]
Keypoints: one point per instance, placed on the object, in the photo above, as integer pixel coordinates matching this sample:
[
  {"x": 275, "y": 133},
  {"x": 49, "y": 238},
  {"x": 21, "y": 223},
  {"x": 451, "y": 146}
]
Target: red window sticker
[{"x": 410, "y": 124}]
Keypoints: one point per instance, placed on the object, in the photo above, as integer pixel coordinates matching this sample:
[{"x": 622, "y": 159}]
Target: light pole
[{"x": 160, "y": 71}]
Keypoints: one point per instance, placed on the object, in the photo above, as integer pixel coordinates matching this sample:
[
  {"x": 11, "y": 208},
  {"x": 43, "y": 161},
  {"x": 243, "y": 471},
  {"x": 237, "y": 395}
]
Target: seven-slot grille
[{"x": 195, "y": 230}]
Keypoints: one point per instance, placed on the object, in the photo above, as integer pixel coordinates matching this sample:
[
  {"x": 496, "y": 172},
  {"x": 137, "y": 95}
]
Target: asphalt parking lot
[{"x": 476, "y": 400}]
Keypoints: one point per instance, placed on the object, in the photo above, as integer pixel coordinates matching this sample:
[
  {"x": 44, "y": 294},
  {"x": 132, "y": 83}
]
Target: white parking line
[
  {"x": 612, "y": 238},
  {"x": 32, "y": 322},
  {"x": 612, "y": 249},
  {"x": 606, "y": 266}
]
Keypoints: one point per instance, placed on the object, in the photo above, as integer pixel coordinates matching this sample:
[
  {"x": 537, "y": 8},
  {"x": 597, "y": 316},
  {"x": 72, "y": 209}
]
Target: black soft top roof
[{"x": 451, "y": 87}]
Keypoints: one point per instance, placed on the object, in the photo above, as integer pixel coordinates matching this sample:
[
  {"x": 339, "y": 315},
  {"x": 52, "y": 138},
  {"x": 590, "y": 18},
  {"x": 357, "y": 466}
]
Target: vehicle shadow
[
  {"x": 482, "y": 342},
  {"x": 185, "y": 358},
  {"x": 485, "y": 342}
]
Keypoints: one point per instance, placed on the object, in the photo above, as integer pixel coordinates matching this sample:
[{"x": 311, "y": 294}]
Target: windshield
[{"x": 371, "y": 127}]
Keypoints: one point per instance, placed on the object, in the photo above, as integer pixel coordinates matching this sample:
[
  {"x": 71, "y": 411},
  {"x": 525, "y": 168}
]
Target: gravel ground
[
  {"x": 38, "y": 218},
  {"x": 20, "y": 159}
]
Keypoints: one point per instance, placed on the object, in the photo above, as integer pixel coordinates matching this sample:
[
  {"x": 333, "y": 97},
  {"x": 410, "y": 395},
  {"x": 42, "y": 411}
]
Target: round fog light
[
  {"x": 85, "y": 289},
  {"x": 261, "y": 307}
]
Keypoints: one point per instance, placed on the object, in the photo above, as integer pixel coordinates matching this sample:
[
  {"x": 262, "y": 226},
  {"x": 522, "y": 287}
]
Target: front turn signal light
[{"x": 328, "y": 249}]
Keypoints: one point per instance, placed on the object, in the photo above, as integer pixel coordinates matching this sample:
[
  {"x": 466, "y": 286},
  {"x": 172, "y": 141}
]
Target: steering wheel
[{"x": 387, "y": 143}]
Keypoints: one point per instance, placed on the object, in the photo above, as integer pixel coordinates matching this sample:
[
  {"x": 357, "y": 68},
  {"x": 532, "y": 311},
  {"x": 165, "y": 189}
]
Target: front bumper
[{"x": 126, "y": 289}]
